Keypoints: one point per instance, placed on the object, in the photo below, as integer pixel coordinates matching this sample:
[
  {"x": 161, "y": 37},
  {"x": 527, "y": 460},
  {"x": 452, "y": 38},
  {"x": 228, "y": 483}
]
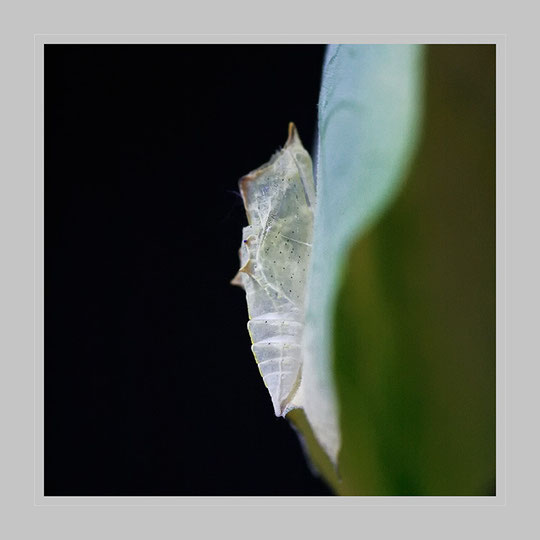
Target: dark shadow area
[{"x": 150, "y": 384}]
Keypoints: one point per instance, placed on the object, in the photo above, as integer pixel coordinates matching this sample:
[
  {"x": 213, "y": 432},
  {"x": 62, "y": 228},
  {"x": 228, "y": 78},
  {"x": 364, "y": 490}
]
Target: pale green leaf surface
[
  {"x": 414, "y": 331},
  {"x": 368, "y": 122}
]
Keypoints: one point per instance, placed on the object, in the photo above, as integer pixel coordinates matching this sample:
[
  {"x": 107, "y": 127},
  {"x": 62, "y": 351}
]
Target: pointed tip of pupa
[
  {"x": 237, "y": 281},
  {"x": 293, "y": 137},
  {"x": 279, "y": 409}
]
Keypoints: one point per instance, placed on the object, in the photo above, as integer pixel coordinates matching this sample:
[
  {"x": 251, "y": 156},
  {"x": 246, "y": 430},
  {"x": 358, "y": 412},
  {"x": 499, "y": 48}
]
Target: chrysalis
[{"x": 279, "y": 198}]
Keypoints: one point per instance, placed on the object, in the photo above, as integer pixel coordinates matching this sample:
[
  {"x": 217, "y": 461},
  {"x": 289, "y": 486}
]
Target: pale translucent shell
[{"x": 279, "y": 198}]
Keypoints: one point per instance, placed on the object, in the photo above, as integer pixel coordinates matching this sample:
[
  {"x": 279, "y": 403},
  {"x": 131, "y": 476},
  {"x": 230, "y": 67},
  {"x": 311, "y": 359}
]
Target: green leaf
[
  {"x": 368, "y": 120},
  {"x": 414, "y": 321}
]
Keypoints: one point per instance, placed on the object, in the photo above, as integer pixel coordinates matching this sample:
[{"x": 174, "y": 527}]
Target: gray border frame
[{"x": 500, "y": 40}]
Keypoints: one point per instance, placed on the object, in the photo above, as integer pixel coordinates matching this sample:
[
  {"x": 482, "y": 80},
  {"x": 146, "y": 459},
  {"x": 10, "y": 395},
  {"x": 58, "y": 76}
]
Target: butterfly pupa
[{"x": 279, "y": 199}]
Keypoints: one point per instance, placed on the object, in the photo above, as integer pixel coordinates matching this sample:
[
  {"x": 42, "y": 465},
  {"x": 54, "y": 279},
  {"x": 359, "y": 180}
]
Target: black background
[{"x": 150, "y": 384}]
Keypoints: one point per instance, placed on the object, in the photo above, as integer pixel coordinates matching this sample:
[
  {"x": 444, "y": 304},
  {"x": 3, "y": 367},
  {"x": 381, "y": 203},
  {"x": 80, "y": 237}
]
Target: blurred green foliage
[{"x": 414, "y": 328}]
